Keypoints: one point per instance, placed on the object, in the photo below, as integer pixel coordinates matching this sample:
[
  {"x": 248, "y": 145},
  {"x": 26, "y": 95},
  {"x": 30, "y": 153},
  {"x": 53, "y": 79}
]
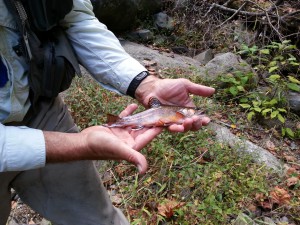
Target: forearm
[
  {"x": 63, "y": 147},
  {"x": 99, "y": 50}
]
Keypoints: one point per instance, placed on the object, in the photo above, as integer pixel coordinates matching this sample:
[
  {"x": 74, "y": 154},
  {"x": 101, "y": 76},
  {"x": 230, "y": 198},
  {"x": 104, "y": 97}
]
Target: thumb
[{"x": 134, "y": 157}]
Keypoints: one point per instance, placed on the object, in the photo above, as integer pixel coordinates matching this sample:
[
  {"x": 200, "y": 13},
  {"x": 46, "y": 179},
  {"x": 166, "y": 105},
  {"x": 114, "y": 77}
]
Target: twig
[
  {"x": 226, "y": 3},
  {"x": 245, "y": 13},
  {"x": 290, "y": 14},
  {"x": 274, "y": 28},
  {"x": 233, "y": 15},
  {"x": 291, "y": 35}
]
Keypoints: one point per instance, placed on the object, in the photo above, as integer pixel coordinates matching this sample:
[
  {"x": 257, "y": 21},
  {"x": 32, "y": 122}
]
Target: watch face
[{"x": 141, "y": 75}]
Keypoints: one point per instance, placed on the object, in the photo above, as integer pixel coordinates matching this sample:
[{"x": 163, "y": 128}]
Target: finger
[
  {"x": 124, "y": 152},
  {"x": 143, "y": 139},
  {"x": 137, "y": 159},
  {"x": 194, "y": 124},
  {"x": 128, "y": 110},
  {"x": 176, "y": 128},
  {"x": 197, "y": 123},
  {"x": 199, "y": 89},
  {"x": 205, "y": 121}
]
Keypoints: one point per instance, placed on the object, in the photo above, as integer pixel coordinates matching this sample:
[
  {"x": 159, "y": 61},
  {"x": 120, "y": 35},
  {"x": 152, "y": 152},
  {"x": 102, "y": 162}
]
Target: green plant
[
  {"x": 278, "y": 70},
  {"x": 236, "y": 83},
  {"x": 266, "y": 108}
]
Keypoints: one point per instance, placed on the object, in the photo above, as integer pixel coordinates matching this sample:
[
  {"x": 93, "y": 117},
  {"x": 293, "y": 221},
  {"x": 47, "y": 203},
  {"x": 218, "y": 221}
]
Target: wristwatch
[{"x": 136, "y": 82}]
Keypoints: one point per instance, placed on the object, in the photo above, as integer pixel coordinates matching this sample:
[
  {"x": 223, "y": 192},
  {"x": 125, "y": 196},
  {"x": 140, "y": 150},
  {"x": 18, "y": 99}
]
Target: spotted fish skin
[{"x": 157, "y": 116}]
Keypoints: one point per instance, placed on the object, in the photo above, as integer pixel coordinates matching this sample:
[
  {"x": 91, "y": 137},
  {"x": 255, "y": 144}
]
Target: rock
[
  {"x": 148, "y": 8},
  {"x": 294, "y": 101},
  {"x": 117, "y": 15},
  {"x": 284, "y": 220},
  {"x": 180, "y": 50},
  {"x": 243, "y": 219},
  {"x": 204, "y": 57},
  {"x": 143, "y": 35},
  {"x": 164, "y": 59},
  {"x": 259, "y": 155},
  {"x": 121, "y": 15},
  {"x": 226, "y": 63},
  {"x": 242, "y": 35},
  {"x": 163, "y": 22},
  {"x": 269, "y": 221}
]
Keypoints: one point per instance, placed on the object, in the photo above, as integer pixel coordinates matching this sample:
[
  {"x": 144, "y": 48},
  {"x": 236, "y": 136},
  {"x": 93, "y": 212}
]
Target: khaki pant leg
[
  {"x": 65, "y": 193},
  {"x": 5, "y": 195}
]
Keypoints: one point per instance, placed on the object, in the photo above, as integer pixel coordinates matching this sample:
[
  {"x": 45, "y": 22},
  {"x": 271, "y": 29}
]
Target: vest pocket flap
[{"x": 64, "y": 49}]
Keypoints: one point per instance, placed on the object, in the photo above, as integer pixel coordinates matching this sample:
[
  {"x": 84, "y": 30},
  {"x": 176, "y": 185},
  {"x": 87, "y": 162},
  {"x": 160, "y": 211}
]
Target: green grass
[{"x": 192, "y": 179}]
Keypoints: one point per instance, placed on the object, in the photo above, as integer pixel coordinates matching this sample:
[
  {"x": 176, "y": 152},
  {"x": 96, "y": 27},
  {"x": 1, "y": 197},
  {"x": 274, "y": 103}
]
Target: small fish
[{"x": 157, "y": 116}]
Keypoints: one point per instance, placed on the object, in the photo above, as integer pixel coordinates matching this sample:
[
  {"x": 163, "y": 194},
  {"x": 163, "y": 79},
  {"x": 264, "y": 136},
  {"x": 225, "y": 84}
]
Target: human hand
[
  {"x": 174, "y": 92},
  {"x": 120, "y": 143}
]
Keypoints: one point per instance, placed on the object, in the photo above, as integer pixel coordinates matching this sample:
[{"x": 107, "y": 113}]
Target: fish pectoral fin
[
  {"x": 179, "y": 115},
  {"x": 154, "y": 102},
  {"x": 112, "y": 118}
]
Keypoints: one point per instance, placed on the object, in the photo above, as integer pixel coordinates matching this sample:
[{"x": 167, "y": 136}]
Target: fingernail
[{"x": 139, "y": 168}]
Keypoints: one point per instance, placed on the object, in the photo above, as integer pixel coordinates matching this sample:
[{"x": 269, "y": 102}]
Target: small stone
[
  {"x": 243, "y": 219},
  {"x": 269, "y": 221}
]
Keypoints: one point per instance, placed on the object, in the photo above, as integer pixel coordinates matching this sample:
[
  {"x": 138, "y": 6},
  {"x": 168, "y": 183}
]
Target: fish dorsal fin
[
  {"x": 154, "y": 102},
  {"x": 112, "y": 118}
]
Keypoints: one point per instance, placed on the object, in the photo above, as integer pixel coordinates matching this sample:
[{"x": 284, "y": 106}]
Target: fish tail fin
[{"x": 112, "y": 118}]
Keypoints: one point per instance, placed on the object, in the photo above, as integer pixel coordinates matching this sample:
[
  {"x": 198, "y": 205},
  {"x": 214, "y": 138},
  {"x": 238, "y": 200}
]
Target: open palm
[{"x": 121, "y": 143}]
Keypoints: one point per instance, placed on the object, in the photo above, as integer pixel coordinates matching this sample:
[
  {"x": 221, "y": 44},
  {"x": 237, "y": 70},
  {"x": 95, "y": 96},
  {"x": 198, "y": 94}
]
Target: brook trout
[{"x": 157, "y": 116}]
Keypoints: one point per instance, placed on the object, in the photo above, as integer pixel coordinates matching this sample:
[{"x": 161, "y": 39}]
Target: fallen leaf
[
  {"x": 116, "y": 199},
  {"x": 270, "y": 145},
  {"x": 252, "y": 208},
  {"x": 291, "y": 171},
  {"x": 280, "y": 196},
  {"x": 167, "y": 208},
  {"x": 263, "y": 201},
  {"x": 13, "y": 204},
  {"x": 292, "y": 181},
  {"x": 266, "y": 205},
  {"x": 290, "y": 158}
]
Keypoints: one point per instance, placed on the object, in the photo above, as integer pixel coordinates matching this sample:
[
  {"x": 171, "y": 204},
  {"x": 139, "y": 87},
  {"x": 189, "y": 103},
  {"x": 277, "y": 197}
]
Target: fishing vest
[{"x": 52, "y": 61}]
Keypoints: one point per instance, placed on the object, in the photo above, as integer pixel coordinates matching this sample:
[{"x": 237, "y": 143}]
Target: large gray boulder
[
  {"x": 226, "y": 63},
  {"x": 122, "y": 15}
]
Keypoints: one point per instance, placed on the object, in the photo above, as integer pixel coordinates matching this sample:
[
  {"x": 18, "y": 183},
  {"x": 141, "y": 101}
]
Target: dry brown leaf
[
  {"x": 280, "y": 196},
  {"x": 13, "y": 204},
  {"x": 252, "y": 208},
  {"x": 167, "y": 208},
  {"x": 270, "y": 145},
  {"x": 290, "y": 158},
  {"x": 263, "y": 201},
  {"x": 292, "y": 181},
  {"x": 291, "y": 170}
]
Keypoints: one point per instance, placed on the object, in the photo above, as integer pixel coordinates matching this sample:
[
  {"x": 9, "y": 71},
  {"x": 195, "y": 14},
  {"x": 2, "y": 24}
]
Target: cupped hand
[
  {"x": 120, "y": 143},
  {"x": 175, "y": 92}
]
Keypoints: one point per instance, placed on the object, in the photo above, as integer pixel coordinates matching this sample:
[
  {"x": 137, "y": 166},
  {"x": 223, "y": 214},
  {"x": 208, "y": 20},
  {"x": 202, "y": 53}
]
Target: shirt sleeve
[
  {"x": 21, "y": 148},
  {"x": 98, "y": 49}
]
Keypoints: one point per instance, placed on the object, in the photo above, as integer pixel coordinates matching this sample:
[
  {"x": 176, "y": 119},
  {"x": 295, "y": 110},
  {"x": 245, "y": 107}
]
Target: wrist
[
  {"x": 137, "y": 80},
  {"x": 144, "y": 90}
]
